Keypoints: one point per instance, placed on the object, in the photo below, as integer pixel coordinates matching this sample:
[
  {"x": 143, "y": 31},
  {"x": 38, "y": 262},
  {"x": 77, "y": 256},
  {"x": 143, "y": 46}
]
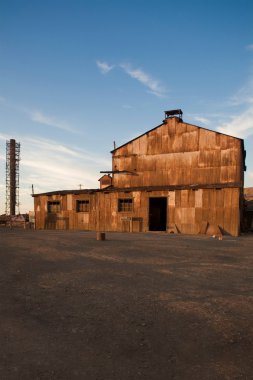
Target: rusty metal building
[{"x": 177, "y": 178}]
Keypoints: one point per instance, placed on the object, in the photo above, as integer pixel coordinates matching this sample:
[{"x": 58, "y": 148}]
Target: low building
[
  {"x": 248, "y": 209},
  {"x": 177, "y": 177}
]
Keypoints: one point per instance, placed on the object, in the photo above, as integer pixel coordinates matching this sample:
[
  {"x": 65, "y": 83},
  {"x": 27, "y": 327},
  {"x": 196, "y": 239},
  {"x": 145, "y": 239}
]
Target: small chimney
[{"x": 173, "y": 113}]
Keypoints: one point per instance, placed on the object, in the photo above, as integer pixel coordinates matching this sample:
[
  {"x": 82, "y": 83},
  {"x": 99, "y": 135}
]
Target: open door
[{"x": 158, "y": 214}]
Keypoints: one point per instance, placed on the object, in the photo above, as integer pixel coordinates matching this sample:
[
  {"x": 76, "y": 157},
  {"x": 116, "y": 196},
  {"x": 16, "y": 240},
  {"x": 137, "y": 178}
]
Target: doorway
[{"x": 158, "y": 214}]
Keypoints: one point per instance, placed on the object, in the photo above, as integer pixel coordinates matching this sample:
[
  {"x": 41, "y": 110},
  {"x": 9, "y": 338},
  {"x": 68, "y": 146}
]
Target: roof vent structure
[{"x": 172, "y": 113}]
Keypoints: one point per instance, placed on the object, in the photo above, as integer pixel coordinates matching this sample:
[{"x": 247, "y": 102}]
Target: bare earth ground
[{"x": 137, "y": 306}]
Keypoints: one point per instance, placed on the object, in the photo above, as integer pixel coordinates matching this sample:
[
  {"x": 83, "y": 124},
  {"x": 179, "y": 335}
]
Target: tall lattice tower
[{"x": 12, "y": 176}]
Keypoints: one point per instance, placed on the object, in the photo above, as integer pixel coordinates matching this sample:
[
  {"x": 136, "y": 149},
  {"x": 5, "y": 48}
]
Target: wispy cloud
[
  {"x": 202, "y": 120},
  {"x": 243, "y": 97},
  {"x": 39, "y": 117},
  {"x": 3, "y": 137},
  {"x": 152, "y": 84},
  {"x": 58, "y": 166},
  {"x": 63, "y": 150},
  {"x": 249, "y": 47},
  {"x": 240, "y": 124},
  {"x": 104, "y": 67},
  {"x": 50, "y": 121}
]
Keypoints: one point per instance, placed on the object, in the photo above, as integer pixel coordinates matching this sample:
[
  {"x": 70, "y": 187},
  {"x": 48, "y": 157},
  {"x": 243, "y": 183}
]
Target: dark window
[
  {"x": 83, "y": 206},
  {"x": 125, "y": 204},
  {"x": 54, "y": 206}
]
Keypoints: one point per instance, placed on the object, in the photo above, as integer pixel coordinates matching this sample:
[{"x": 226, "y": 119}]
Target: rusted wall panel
[
  {"x": 179, "y": 153},
  {"x": 188, "y": 209}
]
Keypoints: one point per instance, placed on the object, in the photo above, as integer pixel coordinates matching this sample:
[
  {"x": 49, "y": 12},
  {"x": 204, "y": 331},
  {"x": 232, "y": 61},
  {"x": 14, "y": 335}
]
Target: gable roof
[{"x": 160, "y": 125}]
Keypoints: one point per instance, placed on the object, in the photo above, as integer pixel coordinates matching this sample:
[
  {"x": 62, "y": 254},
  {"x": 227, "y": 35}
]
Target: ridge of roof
[{"x": 163, "y": 123}]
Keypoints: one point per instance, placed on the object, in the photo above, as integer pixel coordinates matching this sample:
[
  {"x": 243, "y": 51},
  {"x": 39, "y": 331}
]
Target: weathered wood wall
[
  {"x": 178, "y": 153},
  {"x": 187, "y": 211}
]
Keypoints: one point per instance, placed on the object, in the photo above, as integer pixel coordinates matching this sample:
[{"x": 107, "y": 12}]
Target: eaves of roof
[{"x": 111, "y": 189}]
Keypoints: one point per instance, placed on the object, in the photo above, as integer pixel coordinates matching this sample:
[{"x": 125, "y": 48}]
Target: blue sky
[{"x": 77, "y": 75}]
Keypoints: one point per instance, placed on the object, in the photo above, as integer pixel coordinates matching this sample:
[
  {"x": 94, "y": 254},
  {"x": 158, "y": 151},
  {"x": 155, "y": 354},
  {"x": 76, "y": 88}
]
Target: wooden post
[{"x": 100, "y": 235}]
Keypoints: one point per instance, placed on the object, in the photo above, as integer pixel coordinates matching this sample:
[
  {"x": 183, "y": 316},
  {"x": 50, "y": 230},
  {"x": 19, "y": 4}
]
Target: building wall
[
  {"x": 188, "y": 211},
  {"x": 205, "y": 169},
  {"x": 178, "y": 153}
]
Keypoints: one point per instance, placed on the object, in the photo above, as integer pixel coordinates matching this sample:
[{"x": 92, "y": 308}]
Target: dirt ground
[{"x": 136, "y": 306}]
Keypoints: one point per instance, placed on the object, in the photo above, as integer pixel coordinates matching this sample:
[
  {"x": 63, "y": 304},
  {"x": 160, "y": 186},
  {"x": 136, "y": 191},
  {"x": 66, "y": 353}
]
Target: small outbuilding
[{"x": 248, "y": 209}]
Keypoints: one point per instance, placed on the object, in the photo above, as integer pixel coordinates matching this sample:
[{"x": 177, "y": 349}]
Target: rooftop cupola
[{"x": 173, "y": 113}]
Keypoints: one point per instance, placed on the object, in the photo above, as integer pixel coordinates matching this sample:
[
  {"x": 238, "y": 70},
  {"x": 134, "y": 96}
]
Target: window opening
[
  {"x": 53, "y": 206},
  {"x": 83, "y": 205},
  {"x": 125, "y": 205}
]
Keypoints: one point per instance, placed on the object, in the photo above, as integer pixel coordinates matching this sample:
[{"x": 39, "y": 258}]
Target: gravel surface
[{"x": 136, "y": 306}]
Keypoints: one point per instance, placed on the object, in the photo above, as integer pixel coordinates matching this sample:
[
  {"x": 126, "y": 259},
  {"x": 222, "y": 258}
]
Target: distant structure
[
  {"x": 12, "y": 176},
  {"x": 248, "y": 214}
]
